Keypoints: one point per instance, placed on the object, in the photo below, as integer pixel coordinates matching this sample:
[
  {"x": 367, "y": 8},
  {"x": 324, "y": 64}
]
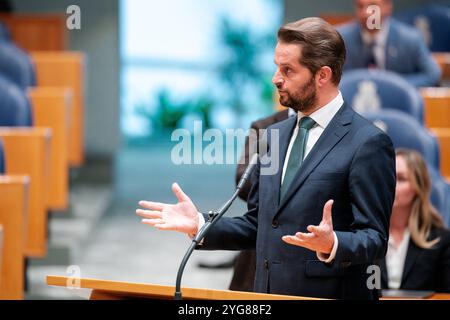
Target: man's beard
[{"x": 303, "y": 99}]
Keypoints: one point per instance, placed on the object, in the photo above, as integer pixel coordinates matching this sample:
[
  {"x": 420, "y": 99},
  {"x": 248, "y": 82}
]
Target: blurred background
[{"x": 106, "y": 92}]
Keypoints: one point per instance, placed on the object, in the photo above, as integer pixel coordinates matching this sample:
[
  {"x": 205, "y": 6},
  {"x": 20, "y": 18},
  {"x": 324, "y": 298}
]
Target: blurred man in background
[{"x": 376, "y": 40}]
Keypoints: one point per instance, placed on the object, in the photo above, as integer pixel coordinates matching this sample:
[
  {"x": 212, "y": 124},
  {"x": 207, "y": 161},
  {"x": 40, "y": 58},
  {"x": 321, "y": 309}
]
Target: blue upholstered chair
[
  {"x": 440, "y": 194},
  {"x": 372, "y": 90},
  {"x": 16, "y": 65},
  {"x": 4, "y": 32},
  {"x": 433, "y": 21},
  {"x": 406, "y": 132}
]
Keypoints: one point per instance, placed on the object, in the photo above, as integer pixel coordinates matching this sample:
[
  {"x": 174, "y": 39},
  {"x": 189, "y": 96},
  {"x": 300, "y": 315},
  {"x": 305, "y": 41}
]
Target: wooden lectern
[{"x": 117, "y": 290}]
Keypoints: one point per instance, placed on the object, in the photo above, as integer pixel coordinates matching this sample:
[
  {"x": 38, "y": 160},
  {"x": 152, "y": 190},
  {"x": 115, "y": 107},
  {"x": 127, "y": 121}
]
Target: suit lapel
[
  {"x": 390, "y": 48},
  {"x": 285, "y": 132},
  {"x": 333, "y": 133}
]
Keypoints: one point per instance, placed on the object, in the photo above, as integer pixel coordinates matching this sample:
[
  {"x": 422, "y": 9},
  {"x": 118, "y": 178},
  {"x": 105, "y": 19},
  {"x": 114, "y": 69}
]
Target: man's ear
[{"x": 324, "y": 76}]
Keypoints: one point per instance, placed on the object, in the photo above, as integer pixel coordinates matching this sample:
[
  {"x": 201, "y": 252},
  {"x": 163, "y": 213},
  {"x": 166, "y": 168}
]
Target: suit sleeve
[
  {"x": 428, "y": 72},
  {"x": 237, "y": 233},
  {"x": 372, "y": 181}
]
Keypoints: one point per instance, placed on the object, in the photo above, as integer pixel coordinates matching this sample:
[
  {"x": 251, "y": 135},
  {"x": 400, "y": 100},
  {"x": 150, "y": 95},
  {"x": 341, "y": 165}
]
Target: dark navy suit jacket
[{"x": 353, "y": 162}]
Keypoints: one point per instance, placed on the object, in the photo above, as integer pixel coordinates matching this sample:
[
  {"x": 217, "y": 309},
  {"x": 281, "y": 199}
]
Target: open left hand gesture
[
  {"x": 320, "y": 238},
  {"x": 181, "y": 217}
]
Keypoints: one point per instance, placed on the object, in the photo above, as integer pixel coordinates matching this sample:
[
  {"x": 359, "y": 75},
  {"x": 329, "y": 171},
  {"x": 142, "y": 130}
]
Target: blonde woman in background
[{"x": 418, "y": 256}]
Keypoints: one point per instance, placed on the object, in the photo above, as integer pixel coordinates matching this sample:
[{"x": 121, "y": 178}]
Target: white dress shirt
[
  {"x": 380, "y": 39},
  {"x": 322, "y": 117},
  {"x": 395, "y": 260}
]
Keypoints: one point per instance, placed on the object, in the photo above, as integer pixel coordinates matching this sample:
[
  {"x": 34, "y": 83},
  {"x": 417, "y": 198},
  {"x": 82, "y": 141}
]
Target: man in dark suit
[{"x": 322, "y": 218}]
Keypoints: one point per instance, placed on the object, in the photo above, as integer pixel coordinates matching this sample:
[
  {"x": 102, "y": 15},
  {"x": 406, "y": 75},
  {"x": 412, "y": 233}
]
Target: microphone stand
[{"x": 214, "y": 216}]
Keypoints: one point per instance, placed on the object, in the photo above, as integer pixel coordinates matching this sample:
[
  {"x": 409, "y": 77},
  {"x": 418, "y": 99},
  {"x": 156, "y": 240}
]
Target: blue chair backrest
[
  {"x": 15, "y": 107},
  {"x": 16, "y": 65},
  {"x": 2, "y": 159},
  {"x": 4, "y": 32},
  {"x": 446, "y": 212},
  {"x": 440, "y": 194},
  {"x": 433, "y": 21},
  {"x": 406, "y": 132},
  {"x": 372, "y": 90}
]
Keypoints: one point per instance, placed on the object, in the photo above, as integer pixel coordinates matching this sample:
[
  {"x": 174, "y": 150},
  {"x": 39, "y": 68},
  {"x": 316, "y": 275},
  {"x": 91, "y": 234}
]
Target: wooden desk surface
[{"x": 104, "y": 289}]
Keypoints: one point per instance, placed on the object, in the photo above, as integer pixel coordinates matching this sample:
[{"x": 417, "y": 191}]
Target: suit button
[
  {"x": 275, "y": 223},
  {"x": 345, "y": 264},
  {"x": 266, "y": 264}
]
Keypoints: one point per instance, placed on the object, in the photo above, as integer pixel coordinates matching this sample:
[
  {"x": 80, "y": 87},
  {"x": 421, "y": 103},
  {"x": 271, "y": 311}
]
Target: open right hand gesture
[{"x": 181, "y": 217}]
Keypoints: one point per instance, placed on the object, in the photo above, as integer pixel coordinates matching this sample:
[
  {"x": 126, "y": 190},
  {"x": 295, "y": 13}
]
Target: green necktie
[{"x": 297, "y": 153}]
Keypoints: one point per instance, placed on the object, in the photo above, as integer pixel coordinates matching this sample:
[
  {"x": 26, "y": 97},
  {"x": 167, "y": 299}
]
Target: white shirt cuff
[
  {"x": 201, "y": 222},
  {"x": 329, "y": 258}
]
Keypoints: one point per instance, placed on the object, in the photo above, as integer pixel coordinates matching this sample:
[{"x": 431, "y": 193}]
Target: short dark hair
[{"x": 321, "y": 44}]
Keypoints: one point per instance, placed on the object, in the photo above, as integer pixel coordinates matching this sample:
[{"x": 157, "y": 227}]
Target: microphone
[
  {"x": 248, "y": 171},
  {"x": 214, "y": 216},
  {"x": 262, "y": 150}
]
